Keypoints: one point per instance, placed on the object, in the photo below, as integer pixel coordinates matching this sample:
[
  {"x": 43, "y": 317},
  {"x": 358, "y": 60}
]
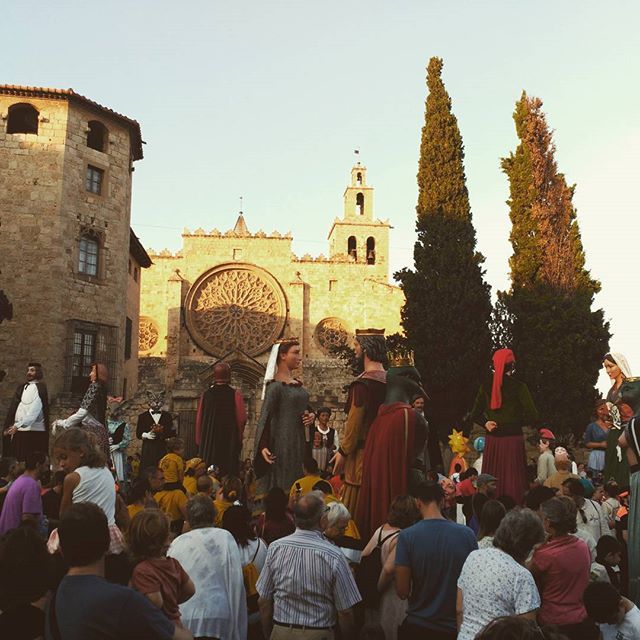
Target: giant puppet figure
[
  {"x": 26, "y": 426},
  {"x": 285, "y": 418},
  {"x": 220, "y": 422},
  {"x": 153, "y": 428},
  {"x": 503, "y": 406},
  {"x": 366, "y": 394},
  {"x": 393, "y": 456}
]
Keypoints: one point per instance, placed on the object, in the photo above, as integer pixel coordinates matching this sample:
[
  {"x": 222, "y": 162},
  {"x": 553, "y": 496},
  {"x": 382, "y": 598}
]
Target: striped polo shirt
[{"x": 308, "y": 580}]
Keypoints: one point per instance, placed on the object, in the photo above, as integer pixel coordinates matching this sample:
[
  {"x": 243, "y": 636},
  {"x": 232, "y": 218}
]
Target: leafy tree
[
  {"x": 448, "y": 307},
  {"x": 547, "y": 316}
]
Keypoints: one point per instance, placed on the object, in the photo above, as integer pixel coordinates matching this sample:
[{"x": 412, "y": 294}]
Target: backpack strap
[
  {"x": 395, "y": 533},
  {"x": 256, "y": 553}
]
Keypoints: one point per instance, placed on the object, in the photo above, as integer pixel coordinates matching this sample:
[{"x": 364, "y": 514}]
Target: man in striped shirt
[{"x": 306, "y": 585}]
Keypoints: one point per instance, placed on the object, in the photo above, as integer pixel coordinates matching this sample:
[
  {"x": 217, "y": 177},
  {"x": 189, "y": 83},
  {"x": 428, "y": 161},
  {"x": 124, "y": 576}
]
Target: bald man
[{"x": 220, "y": 422}]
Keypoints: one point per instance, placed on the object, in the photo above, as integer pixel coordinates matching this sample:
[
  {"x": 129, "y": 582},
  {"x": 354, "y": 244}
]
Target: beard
[{"x": 31, "y": 376}]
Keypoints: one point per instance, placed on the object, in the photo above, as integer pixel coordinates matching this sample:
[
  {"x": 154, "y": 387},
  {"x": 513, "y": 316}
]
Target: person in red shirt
[{"x": 561, "y": 568}]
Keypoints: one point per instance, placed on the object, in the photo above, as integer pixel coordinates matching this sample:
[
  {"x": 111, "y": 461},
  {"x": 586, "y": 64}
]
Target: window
[
  {"x": 130, "y": 267},
  {"x": 333, "y": 285},
  {"x": 371, "y": 250},
  {"x": 23, "y": 118},
  {"x": 94, "y": 179},
  {"x": 135, "y": 274},
  {"x": 84, "y": 355},
  {"x": 237, "y": 254},
  {"x": 96, "y": 136},
  {"x": 88, "y": 255},
  {"x": 351, "y": 247},
  {"x": 360, "y": 204},
  {"x": 88, "y": 343},
  {"x": 128, "y": 334}
]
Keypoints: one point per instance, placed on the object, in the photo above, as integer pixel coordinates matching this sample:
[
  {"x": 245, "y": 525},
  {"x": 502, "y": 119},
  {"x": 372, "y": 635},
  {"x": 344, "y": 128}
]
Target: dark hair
[
  {"x": 25, "y": 567},
  {"x": 375, "y": 347},
  {"x": 275, "y": 504},
  {"x": 237, "y": 521},
  {"x": 561, "y": 513},
  {"x": 84, "y": 534},
  {"x": 57, "y": 478},
  {"x": 490, "y": 518},
  {"x": 601, "y": 600},
  {"x": 33, "y": 459},
  {"x": 174, "y": 444},
  {"x": 507, "y": 502},
  {"x": 324, "y": 486},
  {"x": 204, "y": 483},
  {"x": 139, "y": 490},
  {"x": 310, "y": 464},
  {"x": 576, "y": 488},
  {"x": 232, "y": 489},
  {"x": 324, "y": 410},
  {"x": 605, "y": 546},
  {"x": 428, "y": 492},
  {"x": 536, "y": 496},
  {"x": 519, "y": 531},
  {"x": 38, "y": 367},
  {"x": 403, "y": 512},
  {"x": 284, "y": 347},
  {"x": 308, "y": 510},
  {"x": 74, "y": 439},
  {"x": 148, "y": 533},
  {"x": 471, "y": 471},
  {"x": 517, "y": 628},
  {"x": 612, "y": 489}
]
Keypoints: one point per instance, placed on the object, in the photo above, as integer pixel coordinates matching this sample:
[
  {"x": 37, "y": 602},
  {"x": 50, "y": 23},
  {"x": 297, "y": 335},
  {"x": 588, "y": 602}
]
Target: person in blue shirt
[{"x": 429, "y": 558}]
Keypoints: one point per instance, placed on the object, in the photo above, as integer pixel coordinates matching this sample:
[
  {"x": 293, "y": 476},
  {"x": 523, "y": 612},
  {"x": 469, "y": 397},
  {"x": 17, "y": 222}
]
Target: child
[
  {"x": 323, "y": 439},
  {"x": 230, "y": 492},
  {"x": 193, "y": 470},
  {"x": 87, "y": 480},
  {"x": 545, "y": 466},
  {"x": 140, "y": 497},
  {"x": 161, "y": 579},
  {"x": 608, "y": 557},
  {"x": 611, "y": 504},
  {"x": 619, "y": 618},
  {"x": 172, "y": 465}
]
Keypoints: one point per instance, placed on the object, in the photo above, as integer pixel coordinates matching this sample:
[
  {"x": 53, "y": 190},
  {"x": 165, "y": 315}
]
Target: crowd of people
[{"x": 289, "y": 544}]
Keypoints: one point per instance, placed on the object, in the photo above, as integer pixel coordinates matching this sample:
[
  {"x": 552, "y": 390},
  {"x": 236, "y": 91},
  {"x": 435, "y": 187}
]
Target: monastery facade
[{"x": 230, "y": 295}]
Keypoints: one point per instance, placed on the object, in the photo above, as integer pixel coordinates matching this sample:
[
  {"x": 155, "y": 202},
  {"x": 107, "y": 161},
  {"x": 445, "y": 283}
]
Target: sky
[{"x": 268, "y": 99}]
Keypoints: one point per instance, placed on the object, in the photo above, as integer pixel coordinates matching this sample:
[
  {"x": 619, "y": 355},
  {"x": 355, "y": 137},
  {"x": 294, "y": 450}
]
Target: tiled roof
[{"x": 70, "y": 94}]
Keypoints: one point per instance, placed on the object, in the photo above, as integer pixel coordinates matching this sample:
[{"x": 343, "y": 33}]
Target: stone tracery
[
  {"x": 148, "y": 333},
  {"x": 331, "y": 333},
  {"x": 239, "y": 307}
]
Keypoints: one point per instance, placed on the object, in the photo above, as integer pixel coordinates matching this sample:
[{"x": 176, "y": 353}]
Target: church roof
[
  {"x": 72, "y": 96},
  {"x": 241, "y": 227}
]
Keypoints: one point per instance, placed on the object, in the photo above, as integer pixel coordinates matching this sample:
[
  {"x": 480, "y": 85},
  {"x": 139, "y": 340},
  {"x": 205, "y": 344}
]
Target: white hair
[{"x": 336, "y": 513}]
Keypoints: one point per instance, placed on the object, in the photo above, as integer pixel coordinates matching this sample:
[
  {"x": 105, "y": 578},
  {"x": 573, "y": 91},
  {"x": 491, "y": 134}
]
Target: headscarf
[
  {"x": 501, "y": 358},
  {"x": 622, "y": 362},
  {"x": 272, "y": 367}
]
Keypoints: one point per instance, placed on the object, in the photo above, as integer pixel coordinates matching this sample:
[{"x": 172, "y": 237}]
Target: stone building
[
  {"x": 70, "y": 264},
  {"x": 230, "y": 295}
]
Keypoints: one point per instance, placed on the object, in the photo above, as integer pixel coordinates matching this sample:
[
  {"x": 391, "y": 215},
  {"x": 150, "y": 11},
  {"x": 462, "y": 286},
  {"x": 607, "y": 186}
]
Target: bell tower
[
  {"x": 358, "y": 196},
  {"x": 359, "y": 237}
]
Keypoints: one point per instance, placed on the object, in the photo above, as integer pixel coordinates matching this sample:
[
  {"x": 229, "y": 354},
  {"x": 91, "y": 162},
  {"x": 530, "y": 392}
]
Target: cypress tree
[
  {"x": 558, "y": 340},
  {"x": 448, "y": 307}
]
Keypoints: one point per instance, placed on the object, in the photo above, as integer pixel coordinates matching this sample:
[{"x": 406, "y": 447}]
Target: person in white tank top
[{"x": 97, "y": 485}]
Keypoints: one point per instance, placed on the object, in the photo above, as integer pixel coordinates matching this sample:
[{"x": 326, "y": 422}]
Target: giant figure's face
[{"x": 156, "y": 400}]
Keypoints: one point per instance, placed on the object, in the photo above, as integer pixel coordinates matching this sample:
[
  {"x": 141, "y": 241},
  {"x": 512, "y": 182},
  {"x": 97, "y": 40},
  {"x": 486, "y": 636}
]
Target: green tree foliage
[
  {"x": 546, "y": 316},
  {"x": 448, "y": 308}
]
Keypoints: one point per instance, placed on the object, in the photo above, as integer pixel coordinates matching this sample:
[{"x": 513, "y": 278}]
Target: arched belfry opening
[
  {"x": 360, "y": 204},
  {"x": 359, "y": 178},
  {"x": 352, "y": 249},
  {"x": 371, "y": 250}
]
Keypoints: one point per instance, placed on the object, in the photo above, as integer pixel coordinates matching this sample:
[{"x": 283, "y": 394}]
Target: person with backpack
[{"x": 375, "y": 573}]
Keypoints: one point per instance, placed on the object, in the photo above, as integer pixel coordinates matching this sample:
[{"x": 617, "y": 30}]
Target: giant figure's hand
[
  {"x": 148, "y": 435},
  {"x": 338, "y": 463},
  {"x": 269, "y": 458},
  {"x": 490, "y": 425},
  {"x": 308, "y": 418}
]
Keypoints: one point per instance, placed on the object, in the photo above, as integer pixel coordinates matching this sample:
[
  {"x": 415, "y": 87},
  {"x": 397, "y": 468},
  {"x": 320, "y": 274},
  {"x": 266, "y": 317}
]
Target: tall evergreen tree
[
  {"x": 558, "y": 340},
  {"x": 448, "y": 306}
]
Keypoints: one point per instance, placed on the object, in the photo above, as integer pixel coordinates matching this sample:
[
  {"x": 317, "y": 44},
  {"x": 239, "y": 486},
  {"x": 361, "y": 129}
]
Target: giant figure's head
[
  {"x": 403, "y": 384},
  {"x": 221, "y": 373},
  {"x": 372, "y": 343}
]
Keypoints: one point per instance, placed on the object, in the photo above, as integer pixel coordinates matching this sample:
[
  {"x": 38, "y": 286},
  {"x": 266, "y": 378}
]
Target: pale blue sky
[{"x": 268, "y": 99}]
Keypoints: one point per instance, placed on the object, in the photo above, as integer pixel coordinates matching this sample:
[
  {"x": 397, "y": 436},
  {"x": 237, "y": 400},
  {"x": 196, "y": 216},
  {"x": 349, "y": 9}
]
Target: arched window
[
  {"x": 23, "y": 118},
  {"x": 359, "y": 178},
  {"x": 352, "y": 247},
  {"x": 89, "y": 250},
  {"x": 371, "y": 250},
  {"x": 360, "y": 204},
  {"x": 97, "y": 136}
]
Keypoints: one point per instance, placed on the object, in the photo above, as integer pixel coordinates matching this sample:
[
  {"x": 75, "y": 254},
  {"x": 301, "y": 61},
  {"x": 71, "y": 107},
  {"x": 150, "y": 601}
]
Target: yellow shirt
[
  {"x": 190, "y": 483},
  {"x": 306, "y": 484},
  {"x": 221, "y": 506},
  {"x": 133, "y": 509},
  {"x": 173, "y": 467},
  {"x": 170, "y": 503}
]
